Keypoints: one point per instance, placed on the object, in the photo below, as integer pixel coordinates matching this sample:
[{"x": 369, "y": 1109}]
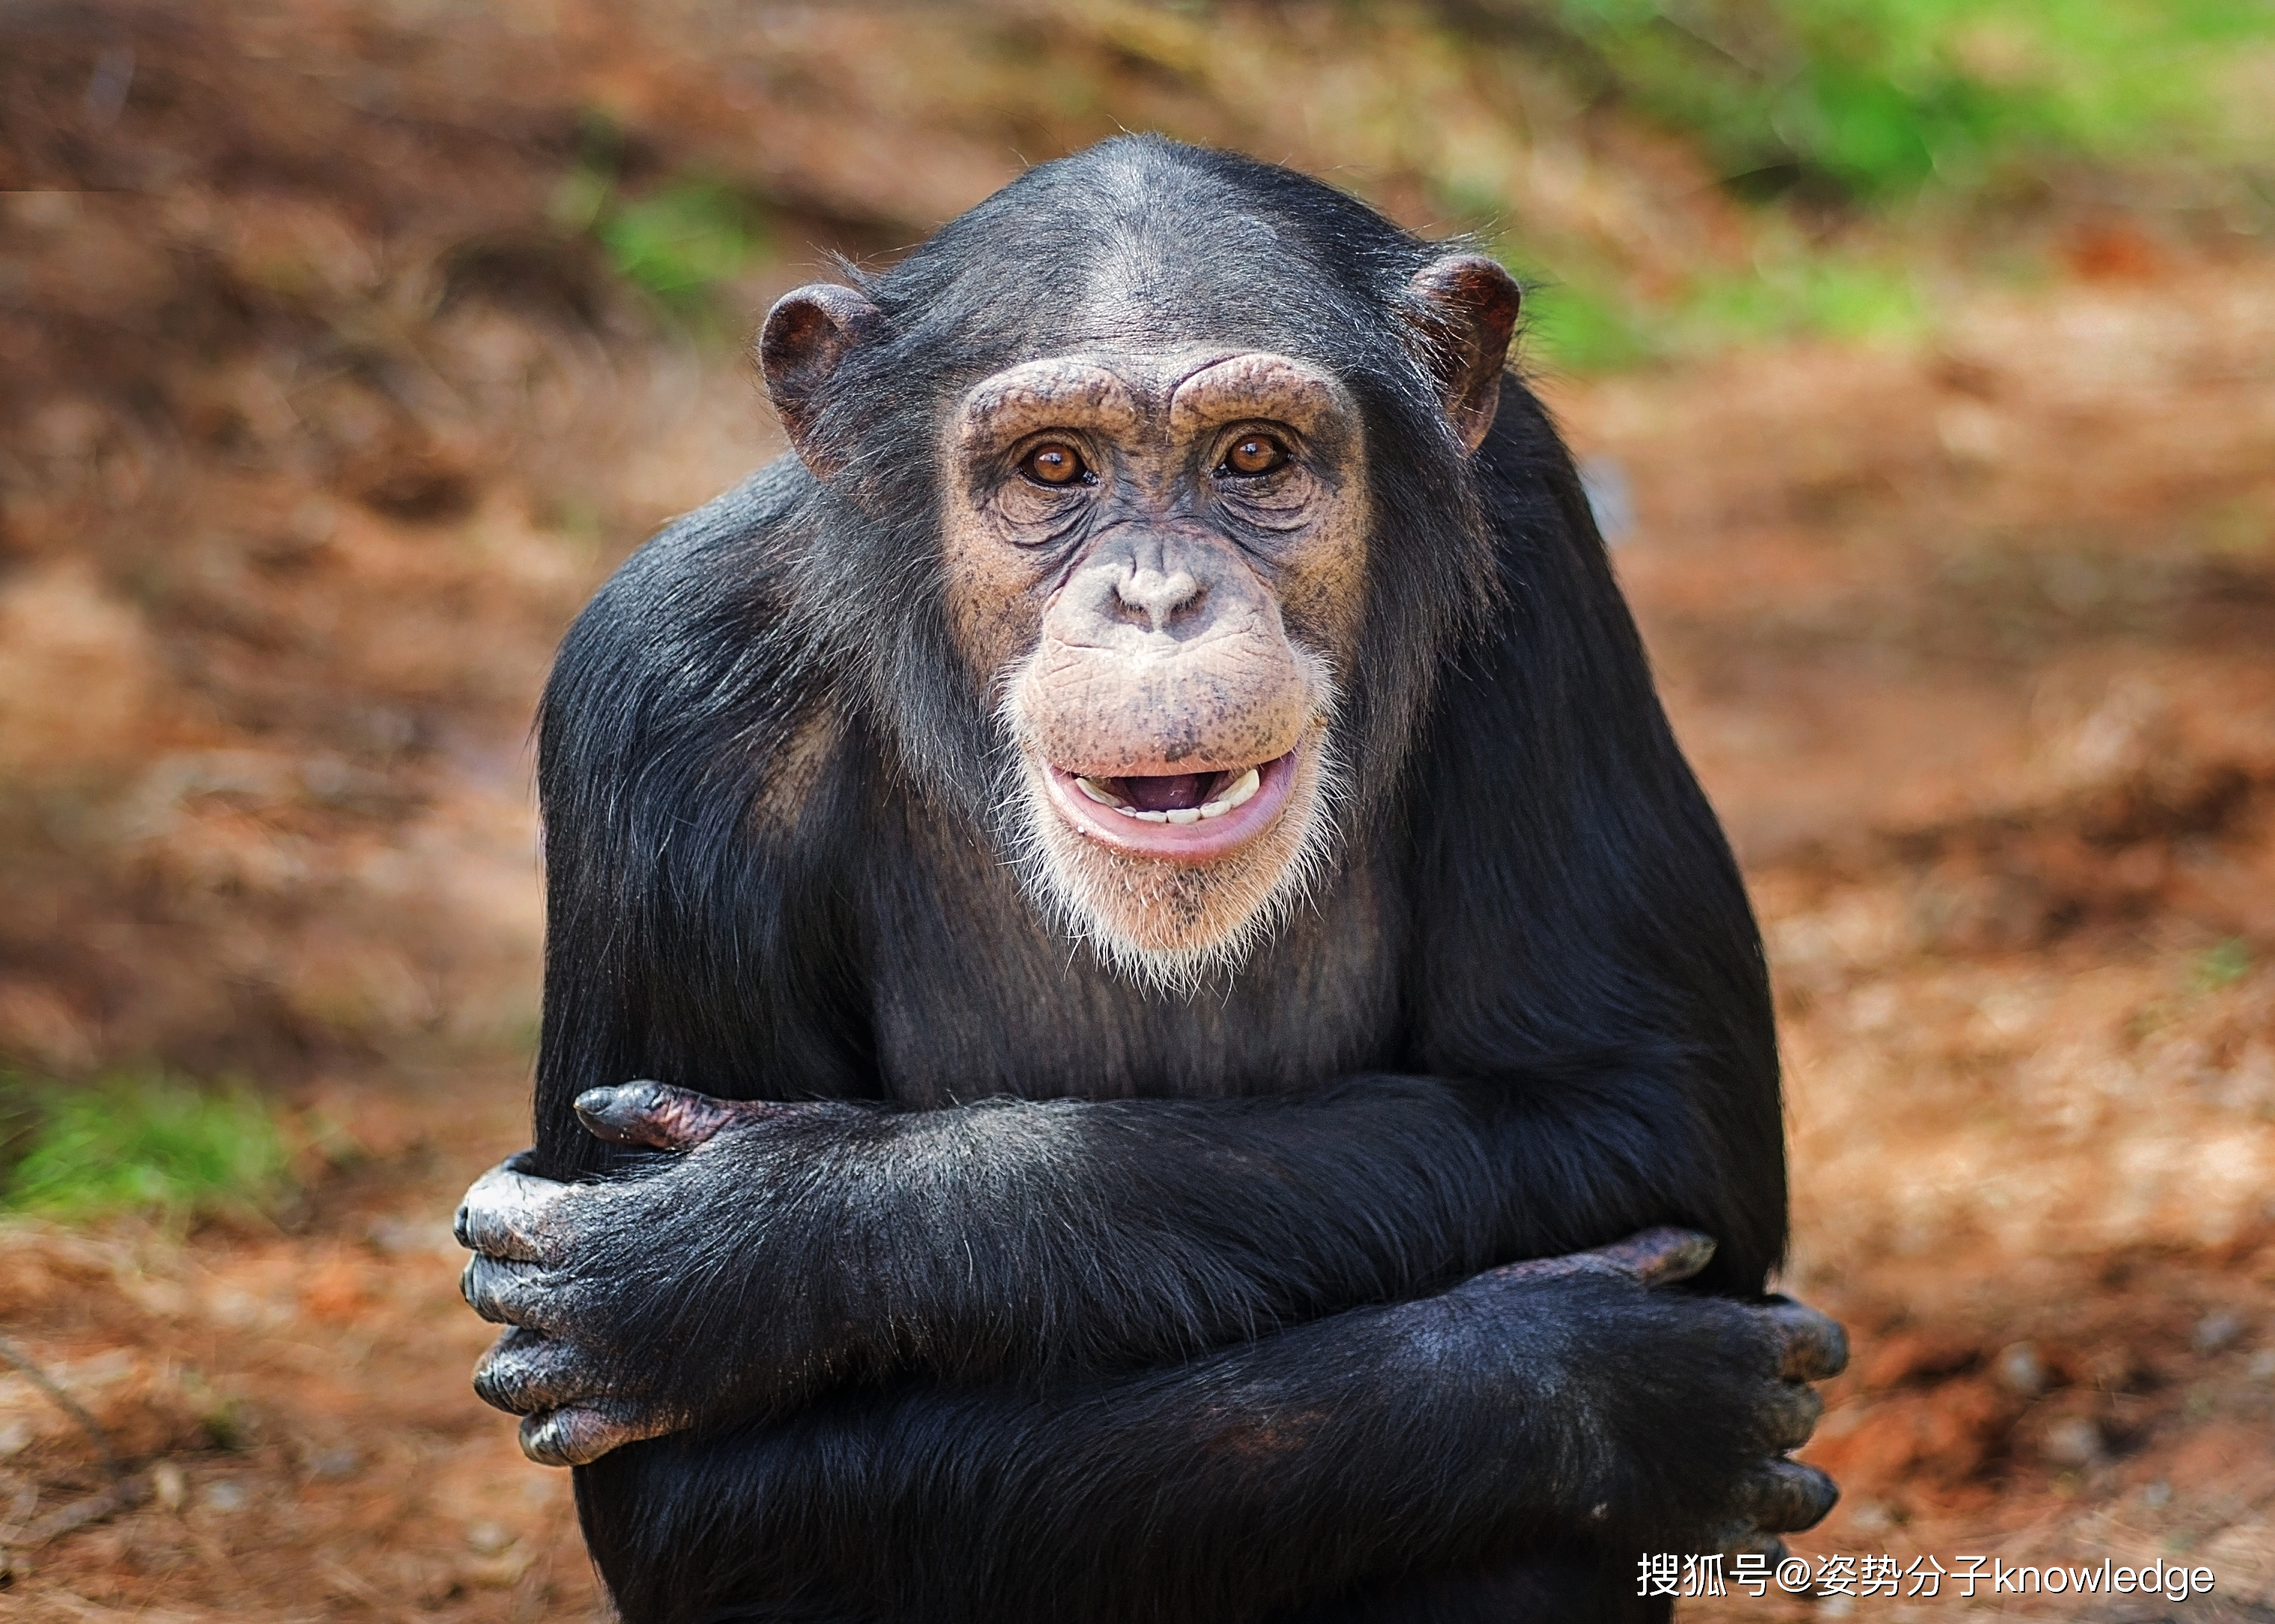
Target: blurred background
[{"x": 1922, "y": 355}]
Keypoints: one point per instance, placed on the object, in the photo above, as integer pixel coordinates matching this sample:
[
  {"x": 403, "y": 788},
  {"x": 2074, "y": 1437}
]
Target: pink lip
[{"x": 1177, "y": 842}]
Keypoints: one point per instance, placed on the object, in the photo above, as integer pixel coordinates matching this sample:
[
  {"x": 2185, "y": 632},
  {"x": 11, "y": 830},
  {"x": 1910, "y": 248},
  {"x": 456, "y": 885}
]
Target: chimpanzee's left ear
[
  {"x": 1462, "y": 311},
  {"x": 808, "y": 335}
]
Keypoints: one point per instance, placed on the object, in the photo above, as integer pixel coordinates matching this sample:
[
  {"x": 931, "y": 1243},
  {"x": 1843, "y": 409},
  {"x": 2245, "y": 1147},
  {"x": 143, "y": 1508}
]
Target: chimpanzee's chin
[{"x": 1175, "y": 907}]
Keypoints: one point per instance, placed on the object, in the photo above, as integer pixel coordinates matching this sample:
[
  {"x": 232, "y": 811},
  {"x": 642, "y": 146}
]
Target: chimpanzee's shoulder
[
  {"x": 694, "y": 614},
  {"x": 728, "y": 545}
]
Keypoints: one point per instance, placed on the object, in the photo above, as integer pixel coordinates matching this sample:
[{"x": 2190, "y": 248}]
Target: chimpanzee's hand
[
  {"x": 1693, "y": 1403},
  {"x": 645, "y": 1303}
]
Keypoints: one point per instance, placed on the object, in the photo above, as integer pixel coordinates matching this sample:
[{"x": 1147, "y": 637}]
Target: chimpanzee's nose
[{"x": 1158, "y": 597}]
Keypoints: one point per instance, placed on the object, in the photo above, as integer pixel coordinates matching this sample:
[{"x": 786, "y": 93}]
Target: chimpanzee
[{"x": 1150, "y": 873}]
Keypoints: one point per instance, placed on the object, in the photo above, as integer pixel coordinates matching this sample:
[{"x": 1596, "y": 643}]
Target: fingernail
[{"x": 541, "y": 1439}]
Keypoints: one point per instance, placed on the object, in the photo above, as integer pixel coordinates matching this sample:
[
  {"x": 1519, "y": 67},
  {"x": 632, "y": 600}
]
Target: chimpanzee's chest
[{"x": 971, "y": 994}]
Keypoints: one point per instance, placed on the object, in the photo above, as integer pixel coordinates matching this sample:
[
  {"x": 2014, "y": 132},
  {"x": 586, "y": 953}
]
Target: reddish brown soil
[
  {"x": 1974, "y": 647},
  {"x": 317, "y": 432}
]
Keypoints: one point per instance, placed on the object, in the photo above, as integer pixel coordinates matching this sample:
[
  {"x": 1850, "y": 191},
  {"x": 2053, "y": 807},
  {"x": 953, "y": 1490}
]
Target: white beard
[{"x": 1170, "y": 928}]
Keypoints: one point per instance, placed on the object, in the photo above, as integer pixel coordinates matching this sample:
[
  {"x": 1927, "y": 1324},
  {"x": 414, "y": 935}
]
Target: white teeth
[{"x": 1242, "y": 787}]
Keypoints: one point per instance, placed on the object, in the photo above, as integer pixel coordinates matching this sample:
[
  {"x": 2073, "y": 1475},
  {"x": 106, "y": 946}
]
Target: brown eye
[
  {"x": 1053, "y": 463},
  {"x": 1255, "y": 454}
]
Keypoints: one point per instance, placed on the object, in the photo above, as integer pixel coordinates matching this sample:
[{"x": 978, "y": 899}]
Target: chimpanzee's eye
[
  {"x": 1053, "y": 463},
  {"x": 1254, "y": 454}
]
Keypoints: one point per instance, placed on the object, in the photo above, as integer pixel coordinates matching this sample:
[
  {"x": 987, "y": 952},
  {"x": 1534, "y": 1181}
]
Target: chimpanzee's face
[
  {"x": 1154, "y": 570},
  {"x": 1156, "y": 562}
]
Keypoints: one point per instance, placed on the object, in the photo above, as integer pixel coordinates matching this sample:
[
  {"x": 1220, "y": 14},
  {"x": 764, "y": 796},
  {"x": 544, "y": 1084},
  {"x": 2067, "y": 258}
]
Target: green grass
[
  {"x": 1883, "y": 99},
  {"x": 1896, "y": 112},
  {"x": 676, "y": 242},
  {"x": 145, "y": 1145},
  {"x": 1573, "y": 327},
  {"x": 1570, "y": 328},
  {"x": 2224, "y": 966},
  {"x": 1821, "y": 295},
  {"x": 680, "y": 243}
]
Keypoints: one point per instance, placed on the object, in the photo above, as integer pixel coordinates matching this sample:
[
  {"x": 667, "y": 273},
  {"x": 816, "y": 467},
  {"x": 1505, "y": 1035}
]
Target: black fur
[{"x": 1092, "y": 1304}]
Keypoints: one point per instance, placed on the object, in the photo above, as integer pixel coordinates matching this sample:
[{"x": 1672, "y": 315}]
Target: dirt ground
[
  {"x": 320, "y": 433},
  {"x": 1975, "y": 647}
]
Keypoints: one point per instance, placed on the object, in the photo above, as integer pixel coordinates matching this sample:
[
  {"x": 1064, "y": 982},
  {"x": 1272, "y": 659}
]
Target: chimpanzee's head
[{"x": 1144, "y": 501}]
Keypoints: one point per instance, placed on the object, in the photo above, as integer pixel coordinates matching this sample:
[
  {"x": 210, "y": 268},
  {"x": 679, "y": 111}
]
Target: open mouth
[
  {"x": 1183, "y": 817},
  {"x": 1177, "y": 797}
]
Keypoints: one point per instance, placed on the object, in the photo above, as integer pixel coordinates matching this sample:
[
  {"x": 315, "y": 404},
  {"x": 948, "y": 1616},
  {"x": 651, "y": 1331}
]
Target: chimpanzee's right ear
[{"x": 808, "y": 332}]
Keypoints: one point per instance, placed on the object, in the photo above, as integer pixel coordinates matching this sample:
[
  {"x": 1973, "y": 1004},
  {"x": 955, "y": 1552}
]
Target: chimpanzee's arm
[
  {"x": 1540, "y": 1403},
  {"x": 785, "y": 1248}
]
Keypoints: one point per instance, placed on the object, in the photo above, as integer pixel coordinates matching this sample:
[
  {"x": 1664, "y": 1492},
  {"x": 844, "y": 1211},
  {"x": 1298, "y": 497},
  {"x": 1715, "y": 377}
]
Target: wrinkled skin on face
[
  {"x": 1159, "y": 561},
  {"x": 1156, "y": 562}
]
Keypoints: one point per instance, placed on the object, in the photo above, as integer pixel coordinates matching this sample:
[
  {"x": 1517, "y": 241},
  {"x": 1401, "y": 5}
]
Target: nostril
[{"x": 1156, "y": 595}]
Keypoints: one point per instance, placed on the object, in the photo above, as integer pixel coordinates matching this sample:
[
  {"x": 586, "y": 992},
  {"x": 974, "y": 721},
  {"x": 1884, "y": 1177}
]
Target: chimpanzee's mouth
[
  {"x": 1178, "y": 817},
  {"x": 1175, "y": 797}
]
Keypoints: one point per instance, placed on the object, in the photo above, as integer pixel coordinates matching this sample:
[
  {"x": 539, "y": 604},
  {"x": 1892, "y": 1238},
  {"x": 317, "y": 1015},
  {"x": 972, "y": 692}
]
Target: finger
[
  {"x": 578, "y": 1436},
  {"x": 506, "y": 1292},
  {"x": 657, "y": 1115},
  {"x": 1655, "y": 1258},
  {"x": 1661, "y": 1256},
  {"x": 1811, "y": 1346},
  {"x": 1747, "y": 1540},
  {"x": 1791, "y": 1415},
  {"x": 1789, "y": 1496},
  {"x": 509, "y": 1214},
  {"x": 525, "y": 1371}
]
